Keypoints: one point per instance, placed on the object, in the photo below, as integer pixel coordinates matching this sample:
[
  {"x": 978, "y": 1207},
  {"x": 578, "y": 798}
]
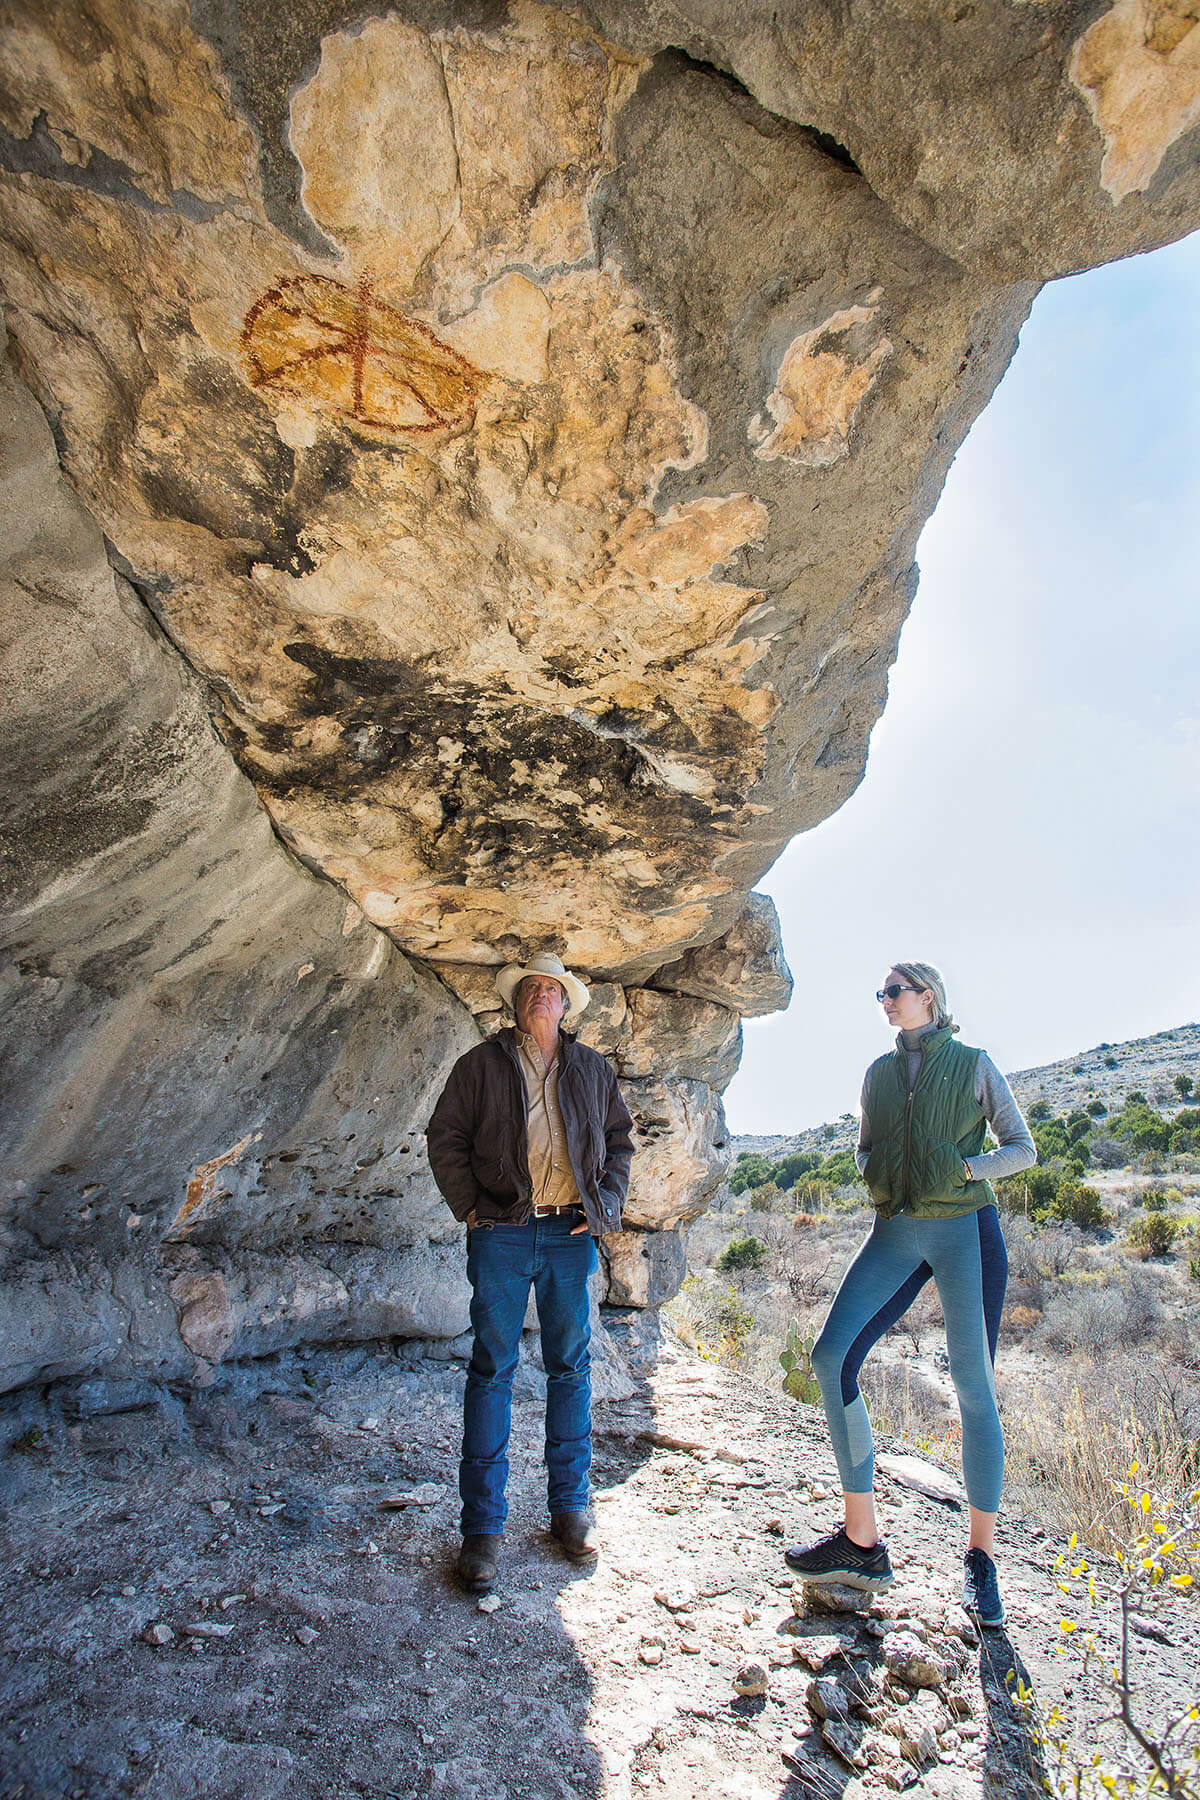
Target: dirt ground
[{"x": 290, "y": 1537}]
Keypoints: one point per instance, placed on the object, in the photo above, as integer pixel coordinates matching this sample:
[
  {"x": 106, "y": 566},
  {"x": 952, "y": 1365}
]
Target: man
[{"x": 530, "y": 1144}]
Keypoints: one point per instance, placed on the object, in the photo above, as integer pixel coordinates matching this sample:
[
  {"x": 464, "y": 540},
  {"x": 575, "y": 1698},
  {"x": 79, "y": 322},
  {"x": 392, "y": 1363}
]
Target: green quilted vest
[{"x": 919, "y": 1139}]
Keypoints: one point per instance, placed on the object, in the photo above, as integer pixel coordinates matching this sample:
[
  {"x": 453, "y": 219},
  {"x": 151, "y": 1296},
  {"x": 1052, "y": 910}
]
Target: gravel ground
[{"x": 290, "y": 1537}]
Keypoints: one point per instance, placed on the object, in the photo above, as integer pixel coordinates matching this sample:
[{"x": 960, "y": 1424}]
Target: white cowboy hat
[{"x": 510, "y": 978}]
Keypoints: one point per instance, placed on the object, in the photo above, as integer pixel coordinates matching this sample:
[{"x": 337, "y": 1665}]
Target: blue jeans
[{"x": 502, "y": 1261}]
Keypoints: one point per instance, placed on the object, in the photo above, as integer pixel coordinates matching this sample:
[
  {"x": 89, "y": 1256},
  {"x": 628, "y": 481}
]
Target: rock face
[{"x": 500, "y": 436}]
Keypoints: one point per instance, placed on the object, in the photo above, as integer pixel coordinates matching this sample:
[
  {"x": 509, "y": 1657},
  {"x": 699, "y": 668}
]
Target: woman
[{"x": 925, "y": 1111}]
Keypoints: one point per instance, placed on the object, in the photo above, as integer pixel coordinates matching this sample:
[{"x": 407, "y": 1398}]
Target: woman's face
[{"x": 909, "y": 1010}]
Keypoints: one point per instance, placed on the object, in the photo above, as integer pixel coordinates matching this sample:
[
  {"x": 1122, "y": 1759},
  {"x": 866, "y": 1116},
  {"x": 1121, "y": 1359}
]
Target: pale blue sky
[{"x": 1030, "y": 815}]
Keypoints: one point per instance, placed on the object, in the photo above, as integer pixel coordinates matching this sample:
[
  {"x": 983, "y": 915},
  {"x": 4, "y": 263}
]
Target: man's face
[{"x": 538, "y": 998}]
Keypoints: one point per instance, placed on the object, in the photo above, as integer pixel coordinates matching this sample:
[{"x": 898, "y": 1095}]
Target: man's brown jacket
[{"x": 478, "y": 1134}]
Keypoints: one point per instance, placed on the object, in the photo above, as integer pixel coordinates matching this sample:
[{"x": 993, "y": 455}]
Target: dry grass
[{"x": 1070, "y": 1452}]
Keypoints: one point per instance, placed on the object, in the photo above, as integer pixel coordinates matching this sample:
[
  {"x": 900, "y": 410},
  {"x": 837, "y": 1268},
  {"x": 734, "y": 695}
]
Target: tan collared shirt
[{"x": 549, "y": 1164}]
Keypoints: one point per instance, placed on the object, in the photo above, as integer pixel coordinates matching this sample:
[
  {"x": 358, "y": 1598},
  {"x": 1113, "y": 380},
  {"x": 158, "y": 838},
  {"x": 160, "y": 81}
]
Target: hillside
[{"x": 1106, "y": 1072}]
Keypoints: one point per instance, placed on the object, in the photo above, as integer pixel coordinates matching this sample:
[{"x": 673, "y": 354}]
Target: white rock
[
  {"x": 489, "y": 1603},
  {"x": 815, "y": 1652},
  {"x": 158, "y": 1634},
  {"x": 911, "y": 1661},
  {"x": 219, "y": 1506},
  {"x": 427, "y": 1494},
  {"x": 304, "y": 1634},
  {"x": 207, "y": 1628}
]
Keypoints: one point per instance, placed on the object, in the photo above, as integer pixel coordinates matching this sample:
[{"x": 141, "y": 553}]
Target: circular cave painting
[{"x": 340, "y": 349}]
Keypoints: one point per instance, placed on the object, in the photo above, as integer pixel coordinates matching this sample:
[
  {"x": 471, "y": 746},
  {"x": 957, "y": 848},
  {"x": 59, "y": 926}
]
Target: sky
[{"x": 1029, "y": 820}]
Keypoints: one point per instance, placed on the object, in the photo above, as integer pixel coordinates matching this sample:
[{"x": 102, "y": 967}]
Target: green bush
[
  {"x": 1110, "y": 1062},
  {"x": 1153, "y": 1234},
  {"x": 751, "y": 1170},
  {"x": 742, "y": 1253},
  {"x": 840, "y": 1169},
  {"x": 1077, "y": 1205},
  {"x": 1141, "y": 1128},
  {"x": 1135, "y": 1097},
  {"x": 789, "y": 1169},
  {"x": 1051, "y": 1139},
  {"x": 1078, "y": 1126},
  {"x": 1154, "y": 1200},
  {"x": 1183, "y": 1085},
  {"x": 1039, "y": 1111},
  {"x": 1096, "y": 1108},
  {"x": 1033, "y": 1191}
]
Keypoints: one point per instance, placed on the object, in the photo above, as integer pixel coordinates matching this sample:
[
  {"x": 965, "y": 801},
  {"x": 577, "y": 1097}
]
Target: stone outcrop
[{"x": 493, "y": 446}]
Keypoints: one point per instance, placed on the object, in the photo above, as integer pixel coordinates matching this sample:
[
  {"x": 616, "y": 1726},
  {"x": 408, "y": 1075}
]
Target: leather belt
[{"x": 546, "y": 1212}]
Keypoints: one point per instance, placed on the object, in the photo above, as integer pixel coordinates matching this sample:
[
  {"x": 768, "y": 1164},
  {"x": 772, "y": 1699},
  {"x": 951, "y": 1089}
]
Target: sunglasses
[{"x": 893, "y": 991}]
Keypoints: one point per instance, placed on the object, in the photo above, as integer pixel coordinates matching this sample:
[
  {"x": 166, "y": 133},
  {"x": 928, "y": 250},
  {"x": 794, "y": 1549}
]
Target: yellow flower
[{"x": 1067, "y": 1625}]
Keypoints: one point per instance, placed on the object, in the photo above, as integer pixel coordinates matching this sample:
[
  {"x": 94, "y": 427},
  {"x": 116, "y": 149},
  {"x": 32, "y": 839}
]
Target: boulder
[
  {"x": 694, "y": 1038},
  {"x": 645, "y": 1268},
  {"x": 744, "y": 969}
]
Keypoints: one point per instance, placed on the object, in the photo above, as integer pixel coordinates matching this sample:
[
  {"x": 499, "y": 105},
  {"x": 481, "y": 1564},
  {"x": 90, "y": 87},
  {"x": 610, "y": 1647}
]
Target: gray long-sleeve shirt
[{"x": 1015, "y": 1149}]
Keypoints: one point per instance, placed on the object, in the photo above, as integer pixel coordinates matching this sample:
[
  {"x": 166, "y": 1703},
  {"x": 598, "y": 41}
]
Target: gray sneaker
[
  {"x": 980, "y": 1590},
  {"x": 837, "y": 1558}
]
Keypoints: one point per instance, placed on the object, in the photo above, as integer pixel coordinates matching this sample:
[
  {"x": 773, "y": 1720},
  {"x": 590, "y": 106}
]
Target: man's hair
[{"x": 924, "y": 975}]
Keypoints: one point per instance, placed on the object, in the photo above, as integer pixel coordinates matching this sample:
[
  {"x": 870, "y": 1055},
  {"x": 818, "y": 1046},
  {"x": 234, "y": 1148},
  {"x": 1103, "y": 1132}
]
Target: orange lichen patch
[
  {"x": 690, "y": 540},
  {"x": 818, "y": 393},
  {"x": 200, "y": 1188},
  {"x": 1138, "y": 68},
  {"x": 341, "y": 349}
]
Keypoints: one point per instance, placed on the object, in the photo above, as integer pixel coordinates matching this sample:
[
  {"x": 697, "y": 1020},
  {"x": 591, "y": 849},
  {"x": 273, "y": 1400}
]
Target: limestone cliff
[{"x": 500, "y": 435}]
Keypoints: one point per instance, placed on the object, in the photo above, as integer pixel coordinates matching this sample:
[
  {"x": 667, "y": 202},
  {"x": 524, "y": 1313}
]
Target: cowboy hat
[{"x": 513, "y": 974}]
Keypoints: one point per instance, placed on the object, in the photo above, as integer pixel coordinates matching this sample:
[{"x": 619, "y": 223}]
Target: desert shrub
[
  {"x": 1153, "y": 1234},
  {"x": 1141, "y": 1128},
  {"x": 789, "y": 1169},
  {"x": 714, "y": 1320},
  {"x": 1078, "y": 1126},
  {"x": 1078, "y": 1206},
  {"x": 1154, "y": 1200},
  {"x": 750, "y": 1170},
  {"x": 1032, "y": 1191},
  {"x": 1069, "y": 1453},
  {"x": 1096, "y": 1108},
  {"x": 1110, "y": 1062},
  {"x": 1109, "y": 1153},
  {"x": 1039, "y": 1111},
  {"x": 765, "y": 1198},
  {"x": 1185, "y": 1130},
  {"x": 1183, "y": 1085},
  {"x": 742, "y": 1253},
  {"x": 1094, "y": 1321},
  {"x": 1135, "y": 1097},
  {"x": 1051, "y": 1139},
  {"x": 840, "y": 1168},
  {"x": 1017, "y": 1320}
]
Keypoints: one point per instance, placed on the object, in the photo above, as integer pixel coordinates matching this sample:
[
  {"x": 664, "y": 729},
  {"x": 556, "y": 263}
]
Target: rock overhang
[{"x": 523, "y": 432}]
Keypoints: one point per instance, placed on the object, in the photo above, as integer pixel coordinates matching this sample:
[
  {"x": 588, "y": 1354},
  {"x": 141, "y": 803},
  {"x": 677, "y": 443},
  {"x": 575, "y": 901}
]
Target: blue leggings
[{"x": 967, "y": 1260}]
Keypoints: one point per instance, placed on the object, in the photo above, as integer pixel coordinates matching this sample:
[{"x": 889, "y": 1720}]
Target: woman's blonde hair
[{"x": 924, "y": 975}]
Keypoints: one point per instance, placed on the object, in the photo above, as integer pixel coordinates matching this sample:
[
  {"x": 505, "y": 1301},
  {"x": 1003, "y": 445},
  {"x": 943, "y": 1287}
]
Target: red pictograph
[{"x": 343, "y": 350}]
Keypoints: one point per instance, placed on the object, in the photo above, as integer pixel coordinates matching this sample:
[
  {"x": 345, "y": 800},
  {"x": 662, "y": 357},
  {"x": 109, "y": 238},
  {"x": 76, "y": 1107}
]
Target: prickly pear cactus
[{"x": 796, "y": 1361}]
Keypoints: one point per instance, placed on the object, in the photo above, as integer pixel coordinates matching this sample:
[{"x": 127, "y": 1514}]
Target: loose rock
[
  {"x": 911, "y": 1661},
  {"x": 751, "y": 1679}
]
